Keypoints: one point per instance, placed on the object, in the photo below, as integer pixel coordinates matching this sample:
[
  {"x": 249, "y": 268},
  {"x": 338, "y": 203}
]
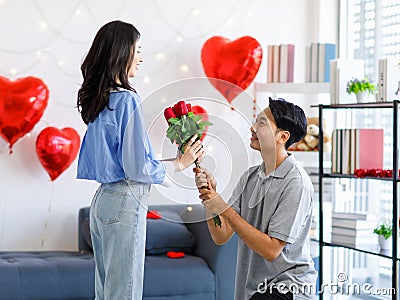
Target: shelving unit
[{"x": 395, "y": 179}]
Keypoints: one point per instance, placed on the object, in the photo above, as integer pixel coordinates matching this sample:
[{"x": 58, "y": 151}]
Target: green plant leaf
[
  {"x": 206, "y": 123},
  {"x": 196, "y": 118},
  {"x": 384, "y": 229},
  {"x": 173, "y": 120}
]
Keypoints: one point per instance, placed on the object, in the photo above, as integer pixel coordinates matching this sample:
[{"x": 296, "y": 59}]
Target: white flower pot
[
  {"x": 385, "y": 245},
  {"x": 362, "y": 97}
]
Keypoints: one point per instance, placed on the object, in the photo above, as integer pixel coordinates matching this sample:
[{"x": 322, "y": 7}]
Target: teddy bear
[{"x": 310, "y": 141}]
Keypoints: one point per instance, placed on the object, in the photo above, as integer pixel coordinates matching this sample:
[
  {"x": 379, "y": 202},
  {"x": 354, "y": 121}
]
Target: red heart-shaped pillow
[
  {"x": 173, "y": 254},
  {"x": 22, "y": 103},
  {"x": 153, "y": 214},
  {"x": 57, "y": 149},
  {"x": 234, "y": 63}
]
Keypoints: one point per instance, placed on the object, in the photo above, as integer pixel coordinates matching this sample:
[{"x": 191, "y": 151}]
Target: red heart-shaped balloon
[
  {"x": 234, "y": 63},
  {"x": 57, "y": 149},
  {"x": 22, "y": 103},
  {"x": 198, "y": 110}
]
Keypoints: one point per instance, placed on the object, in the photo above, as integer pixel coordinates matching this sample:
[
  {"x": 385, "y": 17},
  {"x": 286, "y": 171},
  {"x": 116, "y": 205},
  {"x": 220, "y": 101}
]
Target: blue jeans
[{"x": 118, "y": 231}]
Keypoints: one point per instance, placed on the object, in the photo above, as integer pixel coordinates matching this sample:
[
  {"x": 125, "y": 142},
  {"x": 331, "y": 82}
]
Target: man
[{"x": 270, "y": 210}]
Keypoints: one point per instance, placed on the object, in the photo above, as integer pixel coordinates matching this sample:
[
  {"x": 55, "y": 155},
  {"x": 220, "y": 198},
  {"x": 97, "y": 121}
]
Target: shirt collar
[{"x": 279, "y": 172}]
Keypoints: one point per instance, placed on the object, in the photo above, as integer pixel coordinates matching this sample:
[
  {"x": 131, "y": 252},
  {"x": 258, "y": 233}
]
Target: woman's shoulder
[
  {"x": 123, "y": 96},
  {"x": 124, "y": 93}
]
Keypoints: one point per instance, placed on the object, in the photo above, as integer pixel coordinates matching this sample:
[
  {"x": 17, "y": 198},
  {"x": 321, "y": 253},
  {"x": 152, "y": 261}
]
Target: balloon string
[
  {"x": 42, "y": 238},
  {"x": 3, "y": 212},
  {"x": 5, "y": 149},
  {"x": 254, "y": 110}
]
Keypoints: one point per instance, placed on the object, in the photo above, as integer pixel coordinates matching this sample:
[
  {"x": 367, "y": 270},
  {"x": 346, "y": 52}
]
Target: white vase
[
  {"x": 385, "y": 245},
  {"x": 362, "y": 97}
]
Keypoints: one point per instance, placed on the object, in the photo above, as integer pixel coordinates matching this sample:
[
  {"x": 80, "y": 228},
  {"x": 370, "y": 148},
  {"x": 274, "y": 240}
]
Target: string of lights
[
  {"x": 166, "y": 54},
  {"x": 196, "y": 13},
  {"x": 161, "y": 53}
]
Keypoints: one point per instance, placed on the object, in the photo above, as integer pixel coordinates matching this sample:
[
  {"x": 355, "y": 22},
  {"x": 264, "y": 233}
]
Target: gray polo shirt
[{"x": 279, "y": 204}]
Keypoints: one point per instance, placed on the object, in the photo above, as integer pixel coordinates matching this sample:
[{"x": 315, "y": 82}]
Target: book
[
  {"x": 330, "y": 54},
  {"x": 345, "y": 151},
  {"x": 334, "y": 151},
  {"x": 352, "y": 232},
  {"x": 275, "y": 68},
  {"x": 314, "y": 62},
  {"x": 286, "y": 64},
  {"x": 321, "y": 62},
  {"x": 308, "y": 64},
  {"x": 332, "y": 80},
  {"x": 290, "y": 70},
  {"x": 369, "y": 145},
  {"x": 354, "y": 216},
  {"x": 355, "y": 241},
  {"x": 340, "y": 151},
  {"x": 388, "y": 79},
  {"x": 283, "y": 63},
  {"x": 270, "y": 63},
  {"x": 353, "y": 224},
  {"x": 353, "y": 150}
]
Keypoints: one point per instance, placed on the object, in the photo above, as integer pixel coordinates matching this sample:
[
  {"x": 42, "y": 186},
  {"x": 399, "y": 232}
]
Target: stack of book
[
  {"x": 280, "y": 63},
  {"x": 354, "y": 230},
  {"x": 318, "y": 56},
  {"x": 356, "y": 149}
]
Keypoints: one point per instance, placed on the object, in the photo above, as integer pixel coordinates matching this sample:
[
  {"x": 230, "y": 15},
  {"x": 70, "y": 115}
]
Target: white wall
[{"x": 48, "y": 39}]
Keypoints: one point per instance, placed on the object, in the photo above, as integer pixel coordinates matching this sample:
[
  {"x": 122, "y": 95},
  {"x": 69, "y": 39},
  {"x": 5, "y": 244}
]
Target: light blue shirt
[{"x": 116, "y": 145}]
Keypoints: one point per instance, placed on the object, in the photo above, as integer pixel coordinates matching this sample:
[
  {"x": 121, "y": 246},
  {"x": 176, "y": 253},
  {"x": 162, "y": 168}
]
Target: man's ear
[{"x": 283, "y": 136}]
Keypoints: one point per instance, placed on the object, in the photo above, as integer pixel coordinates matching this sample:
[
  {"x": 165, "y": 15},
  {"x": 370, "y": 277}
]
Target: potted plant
[
  {"x": 362, "y": 88},
  {"x": 384, "y": 232}
]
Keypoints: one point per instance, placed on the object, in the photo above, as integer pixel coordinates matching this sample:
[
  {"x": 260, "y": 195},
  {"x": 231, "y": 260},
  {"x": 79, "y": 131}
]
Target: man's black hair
[{"x": 289, "y": 117}]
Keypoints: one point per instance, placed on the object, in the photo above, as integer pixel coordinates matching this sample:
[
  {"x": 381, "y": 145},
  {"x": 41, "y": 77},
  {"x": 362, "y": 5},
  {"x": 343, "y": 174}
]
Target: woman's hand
[{"x": 193, "y": 150}]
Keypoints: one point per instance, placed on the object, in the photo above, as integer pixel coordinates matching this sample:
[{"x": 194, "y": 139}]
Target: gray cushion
[
  {"x": 188, "y": 277},
  {"x": 168, "y": 234},
  {"x": 46, "y": 275}
]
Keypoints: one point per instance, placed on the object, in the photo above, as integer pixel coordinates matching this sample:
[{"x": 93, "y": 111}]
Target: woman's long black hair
[{"x": 107, "y": 61}]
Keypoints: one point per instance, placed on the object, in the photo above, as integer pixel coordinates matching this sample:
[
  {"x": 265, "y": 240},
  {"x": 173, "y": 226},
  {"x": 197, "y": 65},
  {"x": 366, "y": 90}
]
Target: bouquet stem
[{"x": 216, "y": 218}]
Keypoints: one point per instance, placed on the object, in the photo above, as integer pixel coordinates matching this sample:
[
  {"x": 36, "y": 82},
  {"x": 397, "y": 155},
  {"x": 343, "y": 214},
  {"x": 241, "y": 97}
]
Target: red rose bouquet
[{"x": 183, "y": 124}]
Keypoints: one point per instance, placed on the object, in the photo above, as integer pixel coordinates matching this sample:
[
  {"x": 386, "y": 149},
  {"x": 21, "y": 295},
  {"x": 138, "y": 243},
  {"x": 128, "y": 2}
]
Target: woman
[{"x": 116, "y": 152}]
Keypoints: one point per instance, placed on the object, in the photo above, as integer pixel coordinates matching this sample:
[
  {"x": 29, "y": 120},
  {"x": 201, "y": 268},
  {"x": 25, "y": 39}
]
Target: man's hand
[
  {"x": 212, "y": 201},
  {"x": 202, "y": 177}
]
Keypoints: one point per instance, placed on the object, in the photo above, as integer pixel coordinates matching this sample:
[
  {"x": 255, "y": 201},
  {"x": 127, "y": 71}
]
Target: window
[{"x": 373, "y": 32}]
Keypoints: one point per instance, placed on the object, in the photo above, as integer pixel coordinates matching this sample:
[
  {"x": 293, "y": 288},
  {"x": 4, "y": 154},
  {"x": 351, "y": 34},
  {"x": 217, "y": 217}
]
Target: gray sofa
[{"x": 206, "y": 272}]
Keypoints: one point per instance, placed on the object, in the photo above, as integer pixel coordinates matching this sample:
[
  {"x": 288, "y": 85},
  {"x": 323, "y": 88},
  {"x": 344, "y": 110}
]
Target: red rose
[
  {"x": 189, "y": 107},
  {"x": 180, "y": 109},
  {"x": 169, "y": 113}
]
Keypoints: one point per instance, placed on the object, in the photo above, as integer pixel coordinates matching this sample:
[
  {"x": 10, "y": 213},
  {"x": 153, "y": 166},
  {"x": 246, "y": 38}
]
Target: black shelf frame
[
  {"x": 367, "y": 251},
  {"x": 384, "y": 254},
  {"x": 394, "y": 105}
]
